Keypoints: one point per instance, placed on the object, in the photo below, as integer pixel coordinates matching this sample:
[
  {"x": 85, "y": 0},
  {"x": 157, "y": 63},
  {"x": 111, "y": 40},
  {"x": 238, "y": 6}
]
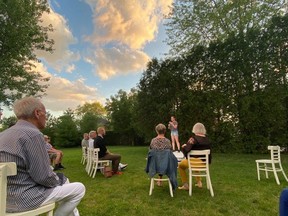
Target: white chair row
[
  {"x": 93, "y": 162},
  {"x": 9, "y": 169}
]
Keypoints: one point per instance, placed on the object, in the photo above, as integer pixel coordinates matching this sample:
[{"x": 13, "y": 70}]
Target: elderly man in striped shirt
[{"x": 35, "y": 183}]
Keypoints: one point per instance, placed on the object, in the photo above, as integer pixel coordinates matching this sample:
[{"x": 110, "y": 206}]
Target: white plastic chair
[
  {"x": 9, "y": 169},
  {"x": 199, "y": 169},
  {"x": 271, "y": 165},
  {"x": 96, "y": 163},
  {"x": 161, "y": 180},
  {"x": 84, "y": 155}
]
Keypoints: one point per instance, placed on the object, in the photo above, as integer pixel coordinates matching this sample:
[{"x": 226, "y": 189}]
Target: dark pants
[
  {"x": 283, "y": 203},
  {"x": 116, "y": 158}
]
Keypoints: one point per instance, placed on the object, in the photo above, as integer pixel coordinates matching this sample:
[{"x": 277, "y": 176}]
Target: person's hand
[
  {"x": 191, "y": 141},
  {"x": 183, "y": 145}
]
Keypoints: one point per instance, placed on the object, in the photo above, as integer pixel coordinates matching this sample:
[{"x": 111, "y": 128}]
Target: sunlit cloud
[
  {"x": 115, "y": 61},
  {"x": 62, "y": 58},
  {"x": 117, "y": 24},
  {"x": 63, "y": 93}
]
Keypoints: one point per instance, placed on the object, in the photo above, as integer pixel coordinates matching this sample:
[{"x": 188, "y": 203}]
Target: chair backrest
[
  {"x": 6, "y": 169},
  {"x": 275, "y": 153},
  {"x": 201, "y": 164},
  {"x": 95, "y": 154}
]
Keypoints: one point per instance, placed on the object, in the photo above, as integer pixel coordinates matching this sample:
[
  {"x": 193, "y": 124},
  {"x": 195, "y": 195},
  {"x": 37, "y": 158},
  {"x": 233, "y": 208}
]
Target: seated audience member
[
  {"x": 52, "y": 151},
  {"x": 160, "y": 143},
  {"x": 85, "y": 140},
  {"x": 35, "y": 183},
  {"x": 92, "y": 137},
  {"x": 104, "y": 154},
  {"x": 198, "y": 141}
]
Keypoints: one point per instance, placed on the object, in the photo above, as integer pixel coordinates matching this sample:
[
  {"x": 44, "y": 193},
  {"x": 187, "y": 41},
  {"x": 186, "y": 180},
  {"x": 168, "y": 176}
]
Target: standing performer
[{"x": 173, "y": 126}]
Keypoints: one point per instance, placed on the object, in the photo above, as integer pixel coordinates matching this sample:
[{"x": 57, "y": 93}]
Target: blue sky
[{"x": 101, "y": 46}]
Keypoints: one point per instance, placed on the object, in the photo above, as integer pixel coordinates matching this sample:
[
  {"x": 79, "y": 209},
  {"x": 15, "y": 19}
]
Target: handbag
[{"x": 107, "y": 171}]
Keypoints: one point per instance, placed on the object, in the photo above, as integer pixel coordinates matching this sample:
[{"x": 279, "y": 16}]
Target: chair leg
[
  {"x": 190, "y": 183},
  {"x": 95, "y": 170},
  {"x": 266, "y": 171},
  {"x": 50, "y": 213},
  {"x": 210, "y": 184},
  {"x": 151, "y": 186},
  {"x": 283, "y": 172},
  {"x": 275, "y": 174},
  {"x": 170, "y": 188},
  {"x": 258, "y": 171}
]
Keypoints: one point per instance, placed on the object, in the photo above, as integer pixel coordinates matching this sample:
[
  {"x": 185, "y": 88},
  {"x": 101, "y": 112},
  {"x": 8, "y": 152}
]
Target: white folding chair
[
  {"x": 199, "y": 168},
  {"x": 96, "y": 163},
  {"x": 9, "y": 169},
  {"x": 271, "y": 165},
  {"x": 84, "y": 155},
  {"x": 161, "y": 180}
]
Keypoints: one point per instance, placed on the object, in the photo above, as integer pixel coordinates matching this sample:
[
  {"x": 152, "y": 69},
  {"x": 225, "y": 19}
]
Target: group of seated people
[
  {"x": 198, "y": 141},
  {"x": 96, "y": 140}
]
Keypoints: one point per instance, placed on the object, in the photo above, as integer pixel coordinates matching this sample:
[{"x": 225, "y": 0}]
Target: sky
[{"x": 101, "y": 46}]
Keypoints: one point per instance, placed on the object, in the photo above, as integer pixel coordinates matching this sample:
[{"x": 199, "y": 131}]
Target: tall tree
[
  {"x": 194, "y": 22},
  {"x": 21, "y": 34},
  {"x": 67, "y": 134}
]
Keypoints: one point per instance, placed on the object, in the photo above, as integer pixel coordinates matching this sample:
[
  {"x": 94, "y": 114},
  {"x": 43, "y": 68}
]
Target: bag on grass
[{"x": 107, "y": 171}]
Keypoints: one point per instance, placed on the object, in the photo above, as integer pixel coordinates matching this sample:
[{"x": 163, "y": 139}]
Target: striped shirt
[{"x": 24, "y": 144}]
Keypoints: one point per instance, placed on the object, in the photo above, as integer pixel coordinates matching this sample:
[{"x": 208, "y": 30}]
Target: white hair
[
  {"x": 24, "y": 108},
  {"x": 199, "y": 128}
]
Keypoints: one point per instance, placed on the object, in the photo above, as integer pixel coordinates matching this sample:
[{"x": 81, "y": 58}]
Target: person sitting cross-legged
[{"x": 59, "y": 154}]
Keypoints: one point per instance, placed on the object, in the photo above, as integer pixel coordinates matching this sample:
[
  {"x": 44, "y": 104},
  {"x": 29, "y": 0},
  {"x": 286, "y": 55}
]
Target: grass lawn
[{"x": 234, "y": 179}]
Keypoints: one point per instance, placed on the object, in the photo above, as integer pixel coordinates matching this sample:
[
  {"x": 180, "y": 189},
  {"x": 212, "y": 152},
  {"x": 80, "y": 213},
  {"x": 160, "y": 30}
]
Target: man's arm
[{"x": 38, "y": 162}]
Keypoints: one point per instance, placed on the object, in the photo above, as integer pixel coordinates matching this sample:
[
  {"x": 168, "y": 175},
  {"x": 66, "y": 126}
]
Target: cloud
[
  {"x": 63, "y": 93},
  {"x": 133, "y": 22},
  {"x": 112, "y": 61},
  {"x": 62, "y": 57},
  {"x": 121, "y": 30}
]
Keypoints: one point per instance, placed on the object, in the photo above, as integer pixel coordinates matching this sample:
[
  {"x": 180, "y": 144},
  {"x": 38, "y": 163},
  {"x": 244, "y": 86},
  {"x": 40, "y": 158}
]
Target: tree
[
  {"x": 194, "y": 22},
  {"x": 120, "y": 112},
  {"x": 21, "y": 34},
  {"x": 95, "y": 108},
  {"x": 67, "y": 134}
]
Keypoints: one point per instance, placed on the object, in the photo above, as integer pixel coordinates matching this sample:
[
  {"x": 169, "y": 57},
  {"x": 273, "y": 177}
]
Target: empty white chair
[
  {"x": 9, "y": 169},
  {"x": 89, "y": 160},
  {"x": 199, "y": 168},
  {"x": 96, "y": 163},
  {"x": 271, "y": 165}
]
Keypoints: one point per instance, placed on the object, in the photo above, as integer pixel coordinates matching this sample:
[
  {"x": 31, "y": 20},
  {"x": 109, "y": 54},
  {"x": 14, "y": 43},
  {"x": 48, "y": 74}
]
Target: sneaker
[
  {"x": 117, "y": 173},
  {"x": 62, "y": 167},
  {"x": 123, "y": 166}
]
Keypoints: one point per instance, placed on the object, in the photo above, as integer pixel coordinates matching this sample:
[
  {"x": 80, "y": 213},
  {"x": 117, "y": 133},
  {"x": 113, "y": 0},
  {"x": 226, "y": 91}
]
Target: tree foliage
[
  {"x": 199, "y": 22},
  {"x": 21, "y": 34}
]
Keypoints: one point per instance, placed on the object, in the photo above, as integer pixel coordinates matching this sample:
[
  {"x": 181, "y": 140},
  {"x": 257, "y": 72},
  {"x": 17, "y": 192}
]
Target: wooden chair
[
  {"x": 199, "y": 168},
  {"x": 96, "y": 163},
  {"x": 152, "y": 183},
  {"x": 9, "y": 169},
  {"x": 84, "y": 155},
  {"x": 271, "y": 165}
]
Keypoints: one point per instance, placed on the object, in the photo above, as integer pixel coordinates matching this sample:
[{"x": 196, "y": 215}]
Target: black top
[
  {"x": 100, "y": 143},
  {"x": 200, "y": 143}
]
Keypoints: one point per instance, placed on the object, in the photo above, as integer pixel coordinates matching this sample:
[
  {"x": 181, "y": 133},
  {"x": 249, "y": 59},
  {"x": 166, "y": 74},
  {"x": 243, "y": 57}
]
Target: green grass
[{"x": 234, "y": 179}]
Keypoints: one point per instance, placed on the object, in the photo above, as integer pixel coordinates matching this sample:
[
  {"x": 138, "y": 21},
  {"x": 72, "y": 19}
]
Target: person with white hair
[
  {"x": 198, "y": 141},
  {"x": 35, "y": 183}
]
